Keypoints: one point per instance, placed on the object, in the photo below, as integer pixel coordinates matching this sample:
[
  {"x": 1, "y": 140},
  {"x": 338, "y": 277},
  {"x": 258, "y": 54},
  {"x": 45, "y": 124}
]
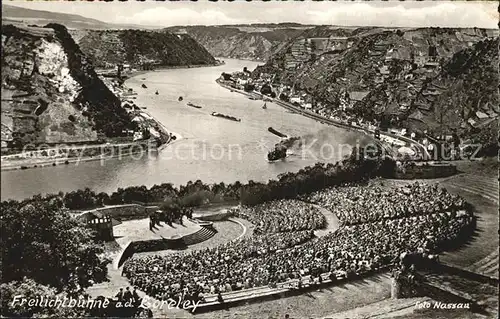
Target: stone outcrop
[
  {"x": 51, "y": 93},
  {"x": 140, "y": 47},
  {"x": 242, "y": 42}
]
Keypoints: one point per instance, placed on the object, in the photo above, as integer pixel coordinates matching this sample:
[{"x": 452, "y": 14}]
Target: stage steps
[{"x": 205, "y": 233}]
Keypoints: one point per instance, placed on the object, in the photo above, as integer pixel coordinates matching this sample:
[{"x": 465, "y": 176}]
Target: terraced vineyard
[{"x": 481, "y": 255}]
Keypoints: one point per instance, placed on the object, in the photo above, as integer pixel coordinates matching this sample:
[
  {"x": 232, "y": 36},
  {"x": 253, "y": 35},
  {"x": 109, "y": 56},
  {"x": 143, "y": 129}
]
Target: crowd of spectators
[
  {"x": 369, "y": 246},
  {"x": 228, "y": 267},
  {"x": 278, "y": 253},
  {"x": 358, "y": 204},
  {"x": 282, "y": 216}
]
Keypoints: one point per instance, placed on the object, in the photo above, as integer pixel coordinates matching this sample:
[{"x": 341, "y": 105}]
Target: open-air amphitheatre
[
  {"x": 229, "y": 241},
  {"x": 259, "y": 159}
]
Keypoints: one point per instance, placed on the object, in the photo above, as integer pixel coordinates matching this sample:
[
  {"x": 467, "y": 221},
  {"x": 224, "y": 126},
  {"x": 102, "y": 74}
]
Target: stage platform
[{"x": 138, "y": 230}]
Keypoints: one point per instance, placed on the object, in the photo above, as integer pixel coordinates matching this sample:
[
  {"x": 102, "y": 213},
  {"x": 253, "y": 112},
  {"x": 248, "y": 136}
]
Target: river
[{"x": 212, "y": 149}]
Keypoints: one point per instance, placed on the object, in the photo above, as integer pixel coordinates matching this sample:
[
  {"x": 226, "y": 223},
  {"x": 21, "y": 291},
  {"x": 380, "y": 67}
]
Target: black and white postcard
[{"x": 249, "y": 159}]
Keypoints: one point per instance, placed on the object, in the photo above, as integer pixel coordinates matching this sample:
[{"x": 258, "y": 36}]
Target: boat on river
[
  {"x": 281, "y": 150},
  {"x": 278, "y": 153},
  {"x": 180, "y": 98},
  {"x": 194, "y": 105},
  {"x": 227, "y": 117},
  {"x": 144, "y": 86},
  {"x": 264, "y": 106},
  {"x": 271, "y": 130}
]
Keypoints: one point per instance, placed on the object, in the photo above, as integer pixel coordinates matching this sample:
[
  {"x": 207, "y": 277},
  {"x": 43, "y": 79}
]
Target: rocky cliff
[
  {"x": 251, "y": 42},
  {"x": 137, "y": 47},
  {"x": 50, "y": 91},
  {"x": 406, "y": 77}
]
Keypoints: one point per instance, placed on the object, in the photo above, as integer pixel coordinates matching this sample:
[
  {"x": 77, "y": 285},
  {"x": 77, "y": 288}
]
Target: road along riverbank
[
  {"x": 67, "y": 154},
  {"x": 422, "y": 151}
]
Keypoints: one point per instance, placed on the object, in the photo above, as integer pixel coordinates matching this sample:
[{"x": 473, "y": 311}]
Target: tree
[
  {"x": 41, "y": 241},
  {"x": 80, "y": 199},
  {"x": 266, "y": 89},
  {"x": 31, "y": 290},
  {"x": 249, "y": 87},
  {"x": 102, "y": 199},
  {"x": 226, "y": 76},
  {"x": 172, "y": 207},
  {"x": 284, "y": 97}
]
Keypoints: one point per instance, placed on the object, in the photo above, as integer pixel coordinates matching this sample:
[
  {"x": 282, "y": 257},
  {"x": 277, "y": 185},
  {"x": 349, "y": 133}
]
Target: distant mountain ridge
[
  {"x": 250, "y": 41},
  {"x": 15, "y": 14}
]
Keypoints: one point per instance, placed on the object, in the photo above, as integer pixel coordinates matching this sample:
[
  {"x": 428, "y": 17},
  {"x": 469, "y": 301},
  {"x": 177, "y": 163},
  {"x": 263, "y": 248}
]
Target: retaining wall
[
  {"x": 425, "y": 171},
  {"x": 215, "y": 217},
  {"x": 142, "y": 246},
  {"x": 450, "y": 269}
]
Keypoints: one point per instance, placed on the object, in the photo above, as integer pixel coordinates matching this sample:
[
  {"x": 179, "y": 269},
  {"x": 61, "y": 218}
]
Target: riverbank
[
  {"x": 167, "y": 134},
  {"x": 67, "y": 154},
  {"x": 172, "y": 136}
]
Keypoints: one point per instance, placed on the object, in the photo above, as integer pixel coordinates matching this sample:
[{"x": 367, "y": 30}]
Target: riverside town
[{"x": 263, "y": 159}]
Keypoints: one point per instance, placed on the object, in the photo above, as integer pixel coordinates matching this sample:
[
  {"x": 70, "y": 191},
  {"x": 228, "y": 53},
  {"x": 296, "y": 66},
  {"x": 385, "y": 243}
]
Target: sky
[{"x": 482, "y": 14}]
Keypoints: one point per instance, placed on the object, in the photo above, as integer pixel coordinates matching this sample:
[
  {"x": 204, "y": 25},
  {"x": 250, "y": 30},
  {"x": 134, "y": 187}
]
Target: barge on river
[
  {"x": 227, "y": 117},
  {"x": 278, "y": 153},
  {"x": 194, "y": 105}
]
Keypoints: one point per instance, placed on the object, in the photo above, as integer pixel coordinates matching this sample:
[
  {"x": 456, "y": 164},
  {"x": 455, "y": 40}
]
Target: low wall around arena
[
  {"x": 148, "y": 246},
  {"x": 224, "y": 215},
  {"x": 425, "y": 170},
  {"x": 282, "y": 290},
  {"x": 127, "y": 211},
  {"x": 175, "y": 243}
]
